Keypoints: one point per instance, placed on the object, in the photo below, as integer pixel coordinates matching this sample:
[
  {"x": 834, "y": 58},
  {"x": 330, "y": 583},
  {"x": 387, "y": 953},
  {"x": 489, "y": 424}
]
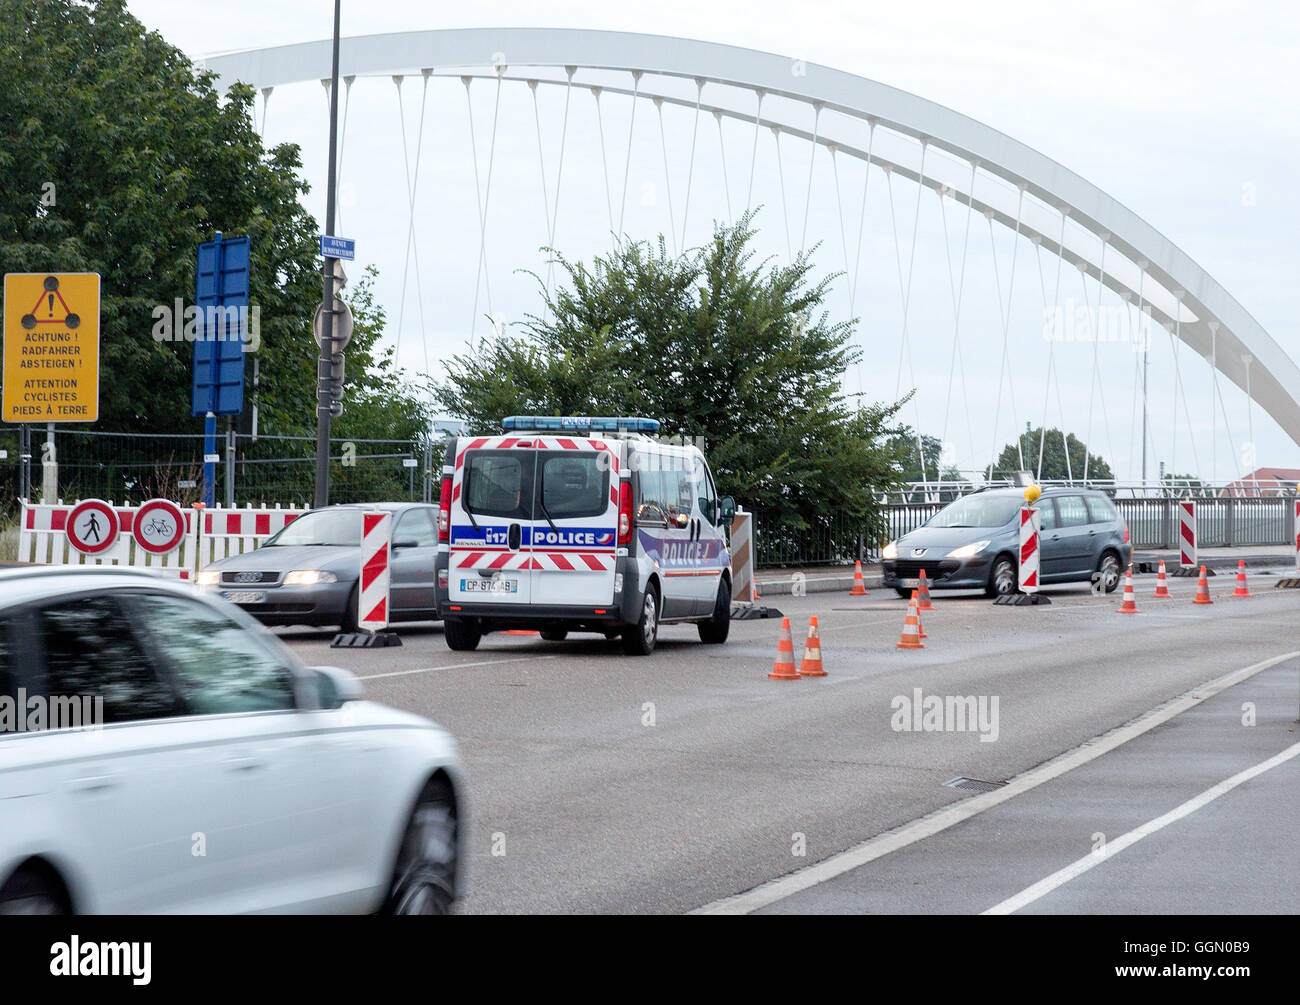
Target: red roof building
[{"x": 1264, "y": 482}]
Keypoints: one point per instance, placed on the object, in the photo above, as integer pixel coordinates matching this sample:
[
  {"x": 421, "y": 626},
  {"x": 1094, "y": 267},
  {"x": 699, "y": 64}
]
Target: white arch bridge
[{"x": 761, "y": 105}]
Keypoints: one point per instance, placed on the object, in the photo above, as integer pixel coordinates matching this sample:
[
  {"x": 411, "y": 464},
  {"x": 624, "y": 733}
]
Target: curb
[{"x": 784, "y": 587}]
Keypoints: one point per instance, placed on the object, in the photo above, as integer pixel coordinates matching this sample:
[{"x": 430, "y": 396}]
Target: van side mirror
[{"x": 726, "y": 509}]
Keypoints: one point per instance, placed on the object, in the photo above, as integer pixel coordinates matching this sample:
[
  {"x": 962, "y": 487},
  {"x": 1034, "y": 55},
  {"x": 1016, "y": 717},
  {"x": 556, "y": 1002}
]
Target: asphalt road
[{"x": 606, "y": 783}]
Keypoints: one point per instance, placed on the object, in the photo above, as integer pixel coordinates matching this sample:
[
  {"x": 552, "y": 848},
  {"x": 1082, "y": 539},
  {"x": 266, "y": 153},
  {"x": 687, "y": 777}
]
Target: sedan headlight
[
  {"x": 968, "y": 550},
  {"x": 890, "y": 550},
  {"x": 309, "y": 577},
  {"x": 209, "y": 577}
]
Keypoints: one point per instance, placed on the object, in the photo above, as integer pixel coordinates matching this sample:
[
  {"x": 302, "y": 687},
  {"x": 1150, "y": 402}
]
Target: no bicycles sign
[{"x": 158, "y": 526}]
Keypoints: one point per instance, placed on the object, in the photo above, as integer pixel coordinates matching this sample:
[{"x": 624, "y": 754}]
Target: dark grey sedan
[
  {"x": 307, "y": 574},
  {"x": 973, "y": 543}
]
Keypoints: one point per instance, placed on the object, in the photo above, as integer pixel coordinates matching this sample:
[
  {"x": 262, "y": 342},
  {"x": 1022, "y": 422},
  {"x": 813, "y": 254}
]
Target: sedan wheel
[
  {"x": 29, "y": 893},
  {"x": 424, "y": 880}
]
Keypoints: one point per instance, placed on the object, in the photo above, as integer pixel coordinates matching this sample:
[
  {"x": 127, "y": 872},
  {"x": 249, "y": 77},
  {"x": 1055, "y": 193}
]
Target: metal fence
[
  {"x": 253, "y": 469},
  {"x": 1223, "y": 521}
]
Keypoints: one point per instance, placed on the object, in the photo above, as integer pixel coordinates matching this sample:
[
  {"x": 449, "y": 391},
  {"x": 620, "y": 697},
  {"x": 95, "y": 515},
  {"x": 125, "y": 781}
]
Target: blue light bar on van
[{"x": 577, "y": 424}]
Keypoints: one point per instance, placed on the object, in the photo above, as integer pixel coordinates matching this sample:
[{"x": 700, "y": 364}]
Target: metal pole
[
  {"x": 323, "y": 367},
  {"x": 230, "y": 464},
  {"x": 209, "y": 468}
]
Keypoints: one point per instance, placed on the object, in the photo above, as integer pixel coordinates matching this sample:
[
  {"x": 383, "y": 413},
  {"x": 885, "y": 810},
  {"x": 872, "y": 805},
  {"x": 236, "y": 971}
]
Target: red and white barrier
[
  {"x": 150, "y": 535},
  {"x": 43, "y": 537},
  {"x": 742, "y": 558},
  {"x": 1297, "y": 534},
  {"x": 1187, "y": 535},
  {"x": 372, "y": 597},
  {"x": 1030, "y": 524}
]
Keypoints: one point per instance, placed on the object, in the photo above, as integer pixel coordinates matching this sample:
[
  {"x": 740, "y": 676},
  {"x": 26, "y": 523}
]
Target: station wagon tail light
[
  {"x": 625, "y": 512},
  {"x": 1126, "y": 539},
  {"x": 444, "y": 509}
]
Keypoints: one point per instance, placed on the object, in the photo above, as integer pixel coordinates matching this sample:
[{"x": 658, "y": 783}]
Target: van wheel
[
  {"x": 554, "y": 634},
  {"x": 639, "y": 639},
  {"x": 460, "y": 635},
  {"x": 714, "y": 631}
]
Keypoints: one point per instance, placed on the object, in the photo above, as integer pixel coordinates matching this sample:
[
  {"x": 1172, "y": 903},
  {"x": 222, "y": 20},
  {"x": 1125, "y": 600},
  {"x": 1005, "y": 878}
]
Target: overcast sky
[{"x": 1185, "y": 112}]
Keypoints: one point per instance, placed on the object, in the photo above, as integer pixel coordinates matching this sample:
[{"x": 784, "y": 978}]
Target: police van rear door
[
  {"x": 575, "y": 521},
  {"x": 491, "y": 521}
]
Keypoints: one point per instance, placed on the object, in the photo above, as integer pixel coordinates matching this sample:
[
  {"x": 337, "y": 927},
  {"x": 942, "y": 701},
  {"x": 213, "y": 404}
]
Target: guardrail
[{"x": 1223, "y": 521}]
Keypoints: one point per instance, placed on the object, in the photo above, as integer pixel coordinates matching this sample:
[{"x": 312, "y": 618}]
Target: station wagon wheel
[
  {"x": 424, "y": 878},
  {"x": 348, "y": 625},
  {"x": 1002, "y": 579},
  {"x": 1109, "y": 571}
]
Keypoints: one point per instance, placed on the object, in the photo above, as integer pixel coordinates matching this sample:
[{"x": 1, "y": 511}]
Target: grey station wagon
[{"x": 974, "y": 543}]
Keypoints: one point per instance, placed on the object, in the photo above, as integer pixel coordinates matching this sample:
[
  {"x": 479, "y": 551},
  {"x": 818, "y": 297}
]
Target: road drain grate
[{"x": 973, "y": 784}]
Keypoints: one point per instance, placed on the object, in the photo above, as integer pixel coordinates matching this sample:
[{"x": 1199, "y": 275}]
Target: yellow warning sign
[{"x": 51, "y": 347}]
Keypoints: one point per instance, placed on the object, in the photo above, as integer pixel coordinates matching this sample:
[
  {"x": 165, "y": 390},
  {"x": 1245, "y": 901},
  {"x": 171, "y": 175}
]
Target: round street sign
[
  {"x": 342, "y": 325},
  {"x": 159, "y": 526},
  {"x": 93, "y": 527}
]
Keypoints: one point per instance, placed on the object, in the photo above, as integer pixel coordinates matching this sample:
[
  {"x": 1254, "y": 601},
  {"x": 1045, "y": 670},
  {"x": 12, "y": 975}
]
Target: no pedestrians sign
[{"x": 51, "y": 347}]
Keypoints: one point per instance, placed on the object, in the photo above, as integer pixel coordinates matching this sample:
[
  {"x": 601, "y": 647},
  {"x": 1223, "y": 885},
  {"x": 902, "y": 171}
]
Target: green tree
[
  {"x": 931, "y": 448},
  {"x": 118, "y": 158},
  {"x": 1054, "y": 463},
  {"x": 713, "y": 345}
]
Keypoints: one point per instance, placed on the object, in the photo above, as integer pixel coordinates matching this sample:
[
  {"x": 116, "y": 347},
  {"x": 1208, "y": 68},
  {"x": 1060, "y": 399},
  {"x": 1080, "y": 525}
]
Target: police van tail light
[
  {"x": 444, "y": 510},
  {"x": 625, "y": 512}
]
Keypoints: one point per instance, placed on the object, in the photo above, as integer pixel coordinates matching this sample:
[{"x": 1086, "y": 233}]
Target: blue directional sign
[
  {"x": 337, "y": 247},
  {"x": 220, "y": 331}
]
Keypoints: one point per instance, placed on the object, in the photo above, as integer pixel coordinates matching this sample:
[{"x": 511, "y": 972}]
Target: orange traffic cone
[
  {"x": 811, "y": 666},
  {"x": 1162, "y": 584},
  {"x": 1242, "y": 589},
  {"x": 911, "y": 636},
  {"x": 1130, "y": 605},
  {"x": 924, "y": 599},
  {"x": 859, "y": 585},
  {"x": 783, "y": 668},
  {"x": 1203, "y": 589},
  {"x": 756, "y": 596},
  {"x": 920, "y": 628}
]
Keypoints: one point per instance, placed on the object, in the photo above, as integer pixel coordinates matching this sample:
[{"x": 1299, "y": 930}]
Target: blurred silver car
[
  {"x": 160, "y": 752},
  {"x": 307, "y": 573}
]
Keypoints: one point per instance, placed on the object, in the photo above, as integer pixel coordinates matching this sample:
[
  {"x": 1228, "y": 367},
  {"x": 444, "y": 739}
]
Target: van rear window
[
  {"x": 499, "y": 484},
  {"x": 574, "y": 485}
]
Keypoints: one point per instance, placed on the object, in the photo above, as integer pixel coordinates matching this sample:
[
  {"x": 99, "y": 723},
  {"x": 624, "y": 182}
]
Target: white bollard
[{"x": 372, "y": 596}]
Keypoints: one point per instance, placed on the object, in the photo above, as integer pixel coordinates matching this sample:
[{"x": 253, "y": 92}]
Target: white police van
[{"x": 569, "y": 524}]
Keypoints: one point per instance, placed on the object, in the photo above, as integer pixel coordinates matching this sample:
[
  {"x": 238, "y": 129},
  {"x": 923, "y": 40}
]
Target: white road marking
[
  {"x": 455, "y": 666},
  {"x": 1062, "y": 876},
  {"x": 928, "y": 826}
]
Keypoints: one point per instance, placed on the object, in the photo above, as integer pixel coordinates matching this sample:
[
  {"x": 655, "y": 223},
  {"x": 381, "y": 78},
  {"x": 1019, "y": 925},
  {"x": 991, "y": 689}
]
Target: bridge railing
[{"x": 1224, "y": 520}]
